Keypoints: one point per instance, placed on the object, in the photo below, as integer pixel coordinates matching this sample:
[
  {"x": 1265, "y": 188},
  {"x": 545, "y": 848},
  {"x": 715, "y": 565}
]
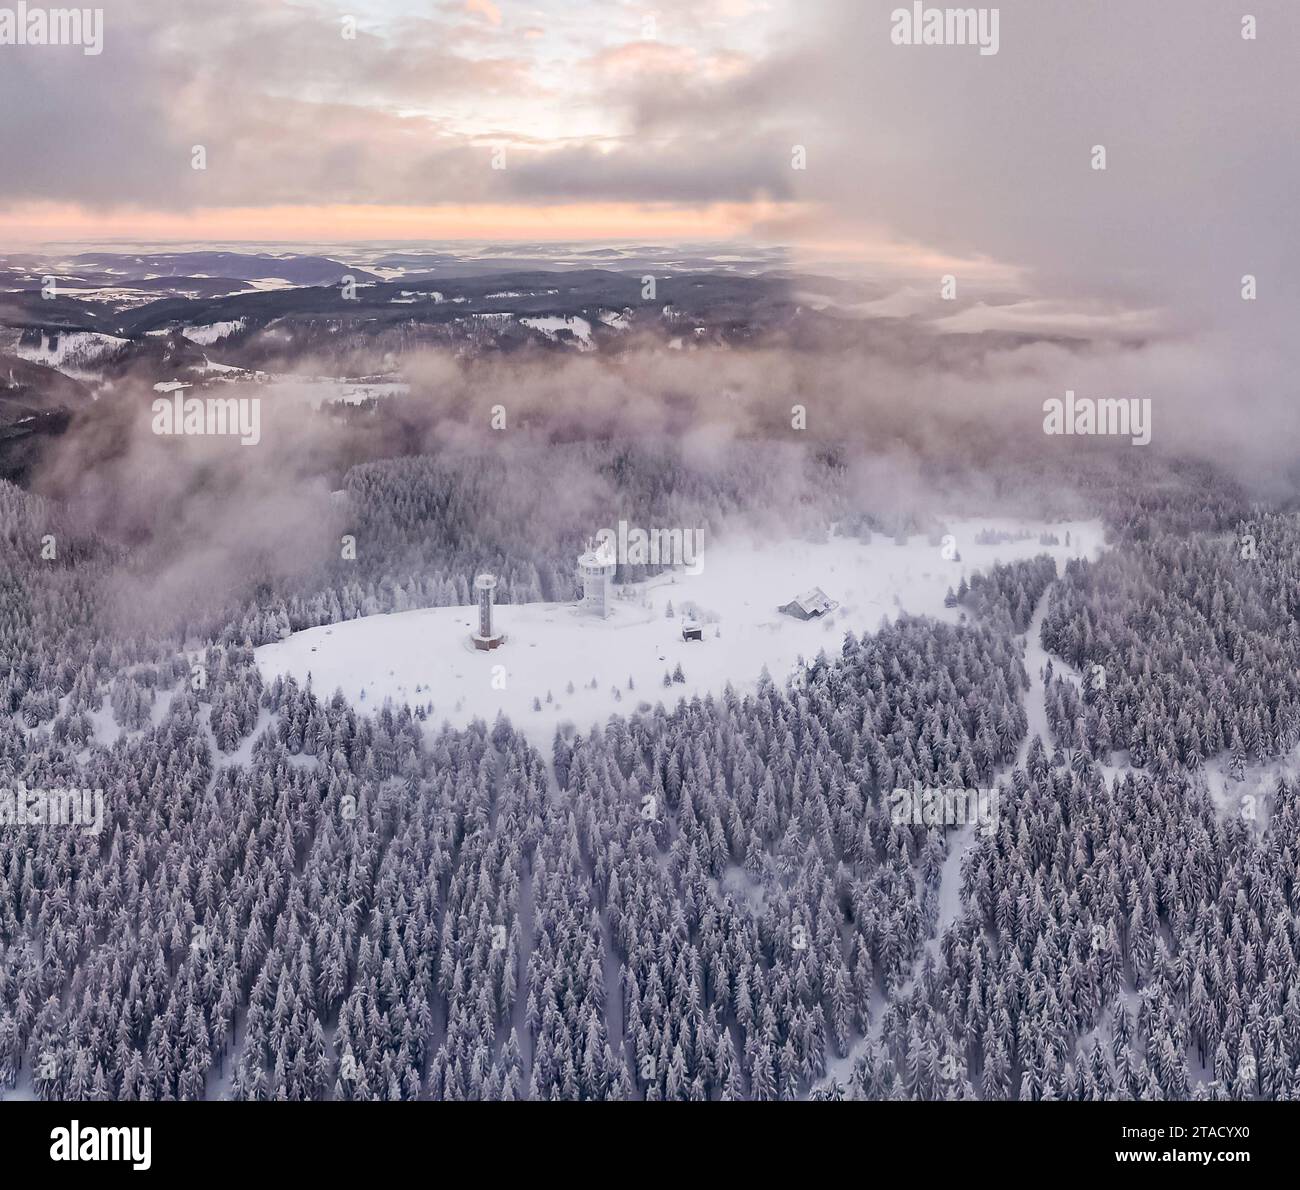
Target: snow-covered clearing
[
  {"x": 318, "y": 391},
  {"x": 422, "y": 657},
  {"x": 551, "y": 325},
  {"x": 119, "y": 296},
  {"x": 63, "y": 349},
  {"x": 213, "y": 332},
  {"x": 267, "y": 284},
  {"x": 1252, "y": 796}
]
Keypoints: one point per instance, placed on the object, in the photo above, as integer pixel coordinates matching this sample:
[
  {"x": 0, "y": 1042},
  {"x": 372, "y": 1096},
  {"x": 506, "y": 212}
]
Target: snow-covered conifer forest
[
  {"x": 648, "y": 551},
  {"x": 294, "y": 896}
]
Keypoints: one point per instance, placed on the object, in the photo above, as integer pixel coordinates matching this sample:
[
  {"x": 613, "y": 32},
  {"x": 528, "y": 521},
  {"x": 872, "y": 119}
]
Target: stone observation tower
[
  {"x": 596, "y": 573},
  {"x": 486, "y": 637}
]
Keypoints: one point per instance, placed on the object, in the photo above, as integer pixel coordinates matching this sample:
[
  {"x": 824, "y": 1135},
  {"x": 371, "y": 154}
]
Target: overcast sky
[
  {"x": 617, "y": 118},
  {"x": 671, "y": 119}
]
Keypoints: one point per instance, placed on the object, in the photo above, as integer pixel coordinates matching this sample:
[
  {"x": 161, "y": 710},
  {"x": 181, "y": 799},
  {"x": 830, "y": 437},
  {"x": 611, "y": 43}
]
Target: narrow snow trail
[
  {"x": 1036, "y": 659},
  {"x": 961, "y": 841}
]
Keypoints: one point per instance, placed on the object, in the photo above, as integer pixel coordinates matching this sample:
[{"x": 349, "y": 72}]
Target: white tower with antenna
[
  {"x": 486, "y": 637},
  {"x": 596, "y": 570}
]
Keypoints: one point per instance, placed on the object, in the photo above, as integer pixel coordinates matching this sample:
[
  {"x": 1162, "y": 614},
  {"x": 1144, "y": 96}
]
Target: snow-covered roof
[{"x": 814, "y": 602}]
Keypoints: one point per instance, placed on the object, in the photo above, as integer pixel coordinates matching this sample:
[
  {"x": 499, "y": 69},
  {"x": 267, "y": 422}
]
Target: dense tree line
[
  {"x": 290, "y": 899},
  {"x": 1187, "y": 647},
  {"x": 1012, "y": 591}
]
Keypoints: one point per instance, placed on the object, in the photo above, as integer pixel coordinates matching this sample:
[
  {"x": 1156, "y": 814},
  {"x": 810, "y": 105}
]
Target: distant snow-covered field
[
  {"x": 326, "y": 390},
  {"x": 70, "y": 349},
  {"x": 422, "y": 657},
  {"x": 214, "y": 332}
]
